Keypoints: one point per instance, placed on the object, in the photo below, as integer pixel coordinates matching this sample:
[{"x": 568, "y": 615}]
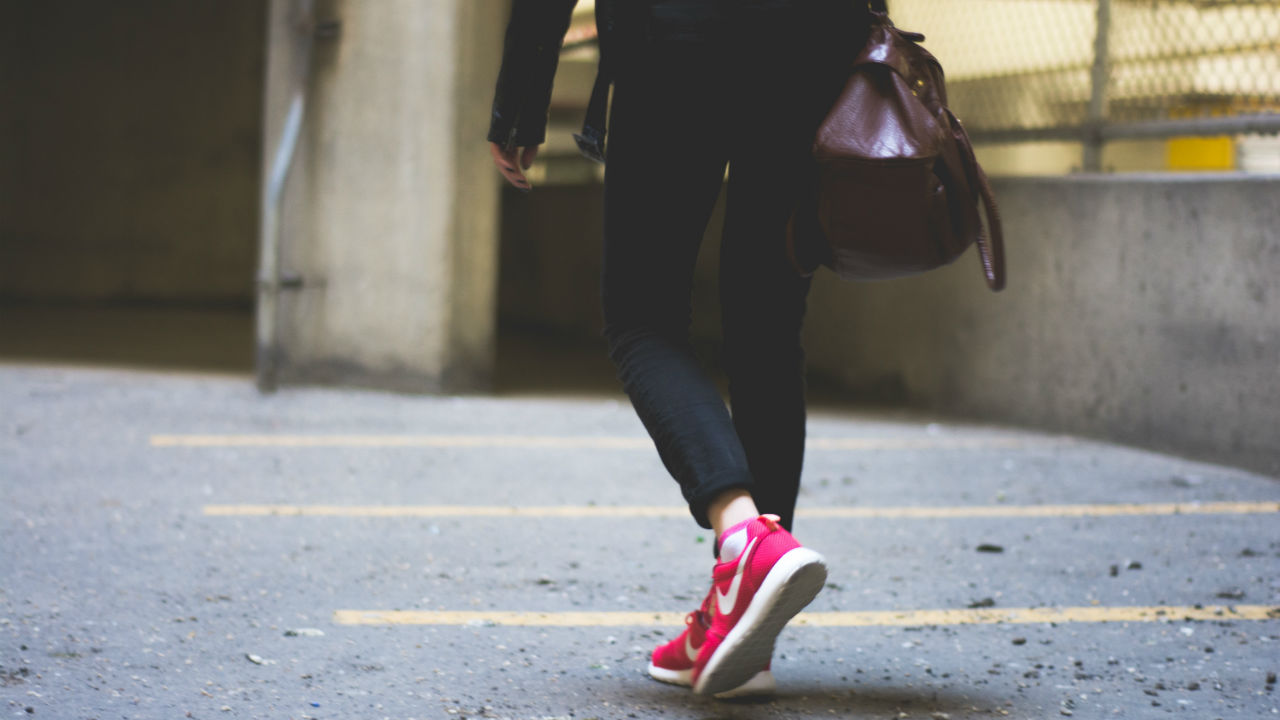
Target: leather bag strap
[
  {"x": 991, "y": 241},
  {"x": 991, "y": 251}
]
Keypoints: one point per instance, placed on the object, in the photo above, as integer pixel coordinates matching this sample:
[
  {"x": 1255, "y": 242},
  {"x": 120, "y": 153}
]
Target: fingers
[
  {"x": 508, "y": 162},
  {"x": 505, "y": 159},
  {"x": 526, "y": 157}
]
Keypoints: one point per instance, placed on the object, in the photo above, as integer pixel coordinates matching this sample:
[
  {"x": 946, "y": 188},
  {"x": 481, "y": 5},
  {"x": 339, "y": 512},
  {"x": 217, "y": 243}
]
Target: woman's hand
[{"x": 512, "y": 163}]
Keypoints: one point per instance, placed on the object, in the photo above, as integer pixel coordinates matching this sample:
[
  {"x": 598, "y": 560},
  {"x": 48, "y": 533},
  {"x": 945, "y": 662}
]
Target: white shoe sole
[
  {"x": 792, "y": 583},
  {"x": 762, "y": 683},
  {"x": 683, "y": 678}
]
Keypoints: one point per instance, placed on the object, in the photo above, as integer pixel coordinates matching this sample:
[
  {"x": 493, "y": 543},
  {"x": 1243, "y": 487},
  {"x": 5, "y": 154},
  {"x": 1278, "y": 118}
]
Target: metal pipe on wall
[
  {"x": 1098, "y": 81},
  {"x": 293, "y": 53}
]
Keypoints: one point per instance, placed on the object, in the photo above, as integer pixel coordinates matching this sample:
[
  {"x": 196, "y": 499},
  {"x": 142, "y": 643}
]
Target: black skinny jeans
[{"x": 745, "y": 87}]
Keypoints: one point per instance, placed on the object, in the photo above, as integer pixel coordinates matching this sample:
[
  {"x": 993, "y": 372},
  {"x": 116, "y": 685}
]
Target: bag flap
[{"x": 879, "y": 118}]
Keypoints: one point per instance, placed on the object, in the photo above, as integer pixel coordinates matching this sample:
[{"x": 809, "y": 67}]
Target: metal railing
[{"x": 1095, "y": 71}]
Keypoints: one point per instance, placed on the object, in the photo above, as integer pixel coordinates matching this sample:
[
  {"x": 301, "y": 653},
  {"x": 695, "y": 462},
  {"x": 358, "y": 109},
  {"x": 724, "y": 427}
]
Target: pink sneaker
[
  {"x": 752, "y": 597},
  {"x": 673, "y": 662}
]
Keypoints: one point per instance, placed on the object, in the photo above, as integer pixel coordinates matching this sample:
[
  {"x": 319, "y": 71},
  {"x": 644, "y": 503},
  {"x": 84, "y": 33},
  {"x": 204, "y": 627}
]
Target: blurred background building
[{"x": 299, "y": 190}]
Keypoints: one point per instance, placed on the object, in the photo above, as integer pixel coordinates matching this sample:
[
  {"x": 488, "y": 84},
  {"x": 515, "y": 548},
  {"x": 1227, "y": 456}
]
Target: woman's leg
[
  {"x": 762, "y": 307},
  {"x": 780, "y": 91},
  {"x": 665, "y": 171},
  {"x": 761, "y": 107},
  {"x": 762, "y": 301}
]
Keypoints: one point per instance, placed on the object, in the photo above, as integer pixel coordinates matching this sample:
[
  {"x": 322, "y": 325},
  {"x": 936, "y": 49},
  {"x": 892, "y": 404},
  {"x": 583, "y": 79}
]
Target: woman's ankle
[{"x": 730, "y": 508}]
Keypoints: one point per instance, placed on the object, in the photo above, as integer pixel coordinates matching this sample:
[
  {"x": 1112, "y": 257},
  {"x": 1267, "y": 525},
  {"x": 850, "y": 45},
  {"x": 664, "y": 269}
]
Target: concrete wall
[
  {"x": 1142, "y": 310},
  {"x": 391, "y": 213},
  {"x": 9, "y": 95},
  {"x": 129, "y": 142}
]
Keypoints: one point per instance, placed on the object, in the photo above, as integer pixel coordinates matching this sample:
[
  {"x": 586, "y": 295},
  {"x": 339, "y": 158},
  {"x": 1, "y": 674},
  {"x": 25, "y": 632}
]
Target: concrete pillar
[{"x": 390, "y": 214}]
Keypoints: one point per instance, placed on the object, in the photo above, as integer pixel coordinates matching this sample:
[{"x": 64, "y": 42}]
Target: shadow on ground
[
  {"x": 528, "y": 361},
  {"x": 799, "y": 700},
  {"x": 154, "y": 337}
]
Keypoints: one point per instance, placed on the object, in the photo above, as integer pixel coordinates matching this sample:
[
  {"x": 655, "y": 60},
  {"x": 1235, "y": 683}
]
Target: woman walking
[{"x": 701, "y": 86}]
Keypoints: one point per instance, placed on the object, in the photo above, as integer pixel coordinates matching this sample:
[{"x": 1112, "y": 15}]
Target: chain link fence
[{"x": 1094, "y": 71}]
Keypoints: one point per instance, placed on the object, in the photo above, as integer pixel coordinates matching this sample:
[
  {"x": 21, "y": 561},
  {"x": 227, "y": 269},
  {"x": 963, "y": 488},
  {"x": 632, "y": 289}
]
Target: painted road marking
[
  {"x": 883, "y": 618},
  {"x": 654, "y": 511},
  {"x": 552, "y": 442}
]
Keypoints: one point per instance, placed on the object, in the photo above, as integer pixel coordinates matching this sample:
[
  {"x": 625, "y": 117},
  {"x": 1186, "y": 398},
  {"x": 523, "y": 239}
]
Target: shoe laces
[{"x": 703, "y": 614}]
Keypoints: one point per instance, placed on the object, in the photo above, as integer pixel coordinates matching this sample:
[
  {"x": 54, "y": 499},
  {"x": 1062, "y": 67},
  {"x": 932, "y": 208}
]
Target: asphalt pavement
[{"x": 176, "y": 545}]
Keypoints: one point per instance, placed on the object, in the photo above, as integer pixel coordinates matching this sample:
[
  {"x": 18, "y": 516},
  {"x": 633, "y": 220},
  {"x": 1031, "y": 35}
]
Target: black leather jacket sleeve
[{"x": 530, "y": 55}]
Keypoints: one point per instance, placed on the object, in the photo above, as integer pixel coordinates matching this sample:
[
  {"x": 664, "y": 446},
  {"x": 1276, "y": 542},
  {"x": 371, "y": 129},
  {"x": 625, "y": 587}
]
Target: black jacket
[
  {"x": 529, "y": 59},
  {"x": 531, "y": 54}
]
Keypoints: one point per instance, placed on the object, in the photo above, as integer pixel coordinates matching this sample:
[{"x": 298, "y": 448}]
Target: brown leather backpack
[{"x": 898, "y": 185}]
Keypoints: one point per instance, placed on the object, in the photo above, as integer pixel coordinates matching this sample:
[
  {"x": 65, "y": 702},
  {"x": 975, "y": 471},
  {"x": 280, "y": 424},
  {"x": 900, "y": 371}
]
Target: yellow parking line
[
  {"x": 653, "y": 511},
  {"x": 524, "y": 619},
  {"x": 552, "y": 442},
  {"x": 570, "y": 511},
  {"x": 1047, "y": 511},
  {"x": 882, "y": 618},
  {"x": 934, "y": 443},
  {"x": 402, "y": 441}
]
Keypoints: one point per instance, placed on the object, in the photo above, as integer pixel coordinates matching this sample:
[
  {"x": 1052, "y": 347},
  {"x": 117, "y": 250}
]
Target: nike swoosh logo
[
  {"x": 725, "y": 602},
  {"x": 689, "y": 651}
]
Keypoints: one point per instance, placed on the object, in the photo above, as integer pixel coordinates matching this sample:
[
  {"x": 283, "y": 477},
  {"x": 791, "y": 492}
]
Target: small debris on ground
[
  {"x": 990, "y": 548},
  {"x": 13, "y": 677},
  {"x": 983, "y": 603},
  {"x": 304, "y": 632}
]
